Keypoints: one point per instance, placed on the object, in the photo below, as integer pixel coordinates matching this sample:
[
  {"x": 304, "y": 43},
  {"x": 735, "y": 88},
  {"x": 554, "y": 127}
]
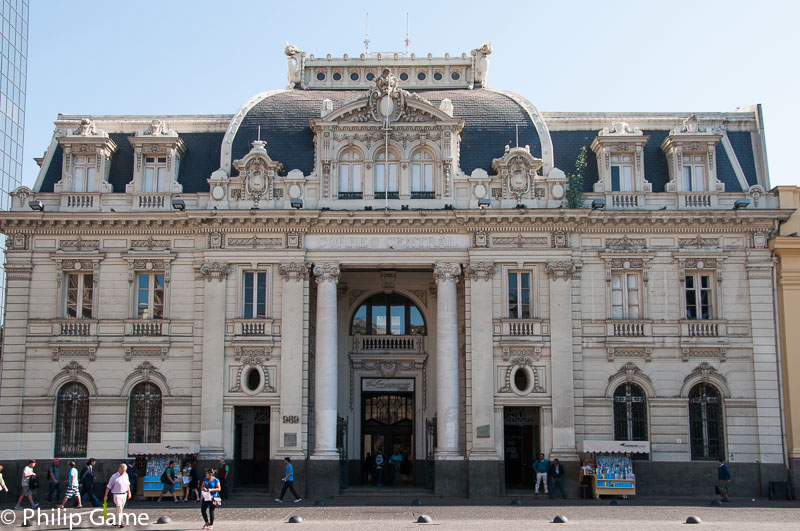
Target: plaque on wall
[
  {"x": 290, "y": 439},
  {"x": 382, "y": 385}
]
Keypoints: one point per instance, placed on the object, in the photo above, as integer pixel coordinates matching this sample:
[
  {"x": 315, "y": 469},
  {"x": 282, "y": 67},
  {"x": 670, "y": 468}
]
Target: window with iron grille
[
  {"x": 144, "y": 420},
  {"x": 630, "y": 413},
  {"x": 72, "y": 420},
  {"x": 705, "y": 423},
  {"x": 388, "y": 409}
]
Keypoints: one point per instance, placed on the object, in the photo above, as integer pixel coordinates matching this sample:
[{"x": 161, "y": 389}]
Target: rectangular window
[
  {"x": 698, "y": 296},
  {"x": 694, "y": 173},
  {"x": 380, "y": 177},
  {"x": 422, "y": 177},
  {"x": 625, "y": 296},
  {"x": 519, "y": 295},
  {"x": 254, "y": 295},
  {"x": 150, "y": 296},
  {"x": 155, "y": 175},
  {"x": 621, "y": 173},
  {"x": 83, "y": 172},
  {"x": 80, "y": 291}
]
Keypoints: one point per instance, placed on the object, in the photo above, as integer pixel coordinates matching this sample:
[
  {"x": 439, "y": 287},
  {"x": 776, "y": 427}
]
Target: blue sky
[{"x": 203, "y": 57}]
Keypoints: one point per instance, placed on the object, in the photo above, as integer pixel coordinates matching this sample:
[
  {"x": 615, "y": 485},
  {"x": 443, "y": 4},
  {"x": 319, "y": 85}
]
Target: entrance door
[
  {"x": 521, "y": 441},
  {"x": 388, "y": 424},
  {"x": 251, "y": 445}
]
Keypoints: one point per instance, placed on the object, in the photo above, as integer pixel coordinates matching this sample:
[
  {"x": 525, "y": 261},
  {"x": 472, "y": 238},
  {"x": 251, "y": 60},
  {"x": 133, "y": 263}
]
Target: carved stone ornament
[
  {"x": 327, "y": 272},
  {"x": 150, "y": 244},
  {"x": 755, "y": 192},
  {"x": 158, "y": 128},
  {"x": 388, "y": 279},
  {"x": 87, "y": 128},
  {"x": 258, "y": 171},
  {"x": 698, "y": 242},
  {"x": 480, "y": 64},
  {"x": 517, "y": 167},
  {"x": 74, "y": 371},
  {"x": 720, "y": 354},
  {"x": 293, "y": 271},
  {"x": 619, "y": 129},
  {"x": 386, "y": 101},
  {"x": 446, "y": 272},
  {"x": 18, "y": 242},
  {"x": 480, "y": 270},
  {"x": 560, "y": 239},
  {"x": 295, "y": 62},
  {"x": 630, "y": 372},
  {"x": 78, "y": 245},
  {"x": 215, "y": 240},
  {"x": 522, "y": 363},
  {"x": 625, "y": 243},
  {"x": 706, "y": 373},
  {"x": 252, "y": 361},
  {"x": 215, "y": 271},
  {"x": 563, "y": 270},
  {"x": 520, "y": 241}
]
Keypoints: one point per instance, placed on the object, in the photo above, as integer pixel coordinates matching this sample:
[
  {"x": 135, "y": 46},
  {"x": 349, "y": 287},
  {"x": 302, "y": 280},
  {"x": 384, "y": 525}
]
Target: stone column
[
  {"x": 213, "y": 380},
  {"x": 450, "y": 474},
  {"x": 484, "y": 461},
  {"x": 562, "y": 385},
  {"x": 323, "y": 477}
]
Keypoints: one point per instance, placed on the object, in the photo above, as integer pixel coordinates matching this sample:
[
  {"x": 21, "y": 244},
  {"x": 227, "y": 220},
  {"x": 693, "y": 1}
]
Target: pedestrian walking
[
  {"x": 556, "y": 474},
  {"x": 396, "y": 460},
  {"x": 369, "y": 462},
  {"x": 541, "y": 467},
  {"x": 288, "y": 482},
  {"x": 73, "y": 490},
  {"x": 168, "y": 479},
  {"x": 53, "y": 483},
  {"x": 119, "y": 486},
  {"x": 87, "y": 483},
  {"x": 27, "y": 489},
  {"x": 379, "y": 460},
  {"x": 132, "y": 479},
  {"x": 3, "y": 487},
  {"x": 210, "y": 490},
  {"x": 223, "y": 475},
  {"x": 723, "y": 478}
]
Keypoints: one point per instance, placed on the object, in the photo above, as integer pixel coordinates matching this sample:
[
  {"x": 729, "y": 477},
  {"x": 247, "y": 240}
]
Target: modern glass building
[{"x": 13, "y": 73}]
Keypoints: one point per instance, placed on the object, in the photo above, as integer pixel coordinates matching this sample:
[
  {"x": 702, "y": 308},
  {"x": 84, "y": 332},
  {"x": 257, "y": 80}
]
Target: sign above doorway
[{"x": 383, "y": 385}]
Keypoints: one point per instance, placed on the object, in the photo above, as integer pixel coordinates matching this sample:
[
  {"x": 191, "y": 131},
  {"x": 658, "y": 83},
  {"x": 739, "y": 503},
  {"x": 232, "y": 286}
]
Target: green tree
[{"x": 574, "y": 196}]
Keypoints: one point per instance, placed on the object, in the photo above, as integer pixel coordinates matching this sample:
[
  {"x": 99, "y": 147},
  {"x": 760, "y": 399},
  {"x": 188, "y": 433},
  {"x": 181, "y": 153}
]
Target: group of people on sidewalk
[
  {"x": 549, "y": 475},
  {"x": 376, "y": 467}
]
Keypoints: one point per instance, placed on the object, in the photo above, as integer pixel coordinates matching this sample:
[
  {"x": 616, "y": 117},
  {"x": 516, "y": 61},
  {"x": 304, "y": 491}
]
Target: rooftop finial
[
  {"x": 366, "y": 41},
  {"x": 408, "y": 41}
]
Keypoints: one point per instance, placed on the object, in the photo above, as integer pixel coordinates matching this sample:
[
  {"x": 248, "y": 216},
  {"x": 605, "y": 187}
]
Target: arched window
[
  {"x": 383, "y": 315},
  {"x": 705, "y": 423},
  {"x": 422, "y": 175},
  {"x": 630, "y": 413},
  {"x": 351, "y": 172},
  {"x": 144, "y": 420},
  {"x": 382, "y": 184},
  {"x": 72, "y": 420}
]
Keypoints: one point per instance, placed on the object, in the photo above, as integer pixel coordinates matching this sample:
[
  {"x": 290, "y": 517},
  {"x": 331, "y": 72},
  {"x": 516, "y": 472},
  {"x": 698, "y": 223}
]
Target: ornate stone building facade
[{"x": 380, "y": 255}]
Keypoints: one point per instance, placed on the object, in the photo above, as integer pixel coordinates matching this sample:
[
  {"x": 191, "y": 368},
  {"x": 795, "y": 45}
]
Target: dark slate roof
[
  {"x": 743, "y": 147},
  {"x": 199, "y": 161},
  {"x": 491, "y": 120},
  {"x": 566, "y": 148}
]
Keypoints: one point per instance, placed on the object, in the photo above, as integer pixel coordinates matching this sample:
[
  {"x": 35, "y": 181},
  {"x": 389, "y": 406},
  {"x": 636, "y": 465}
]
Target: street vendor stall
[
  {"x": 606, "y": 466},
  {"x": 151, "y": 461}
]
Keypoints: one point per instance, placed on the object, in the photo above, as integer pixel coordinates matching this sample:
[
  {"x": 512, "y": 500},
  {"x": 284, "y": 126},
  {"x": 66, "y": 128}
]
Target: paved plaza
[{"x": 462, "y": 514}]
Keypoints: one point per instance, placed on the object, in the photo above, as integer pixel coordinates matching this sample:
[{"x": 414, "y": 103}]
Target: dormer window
[
  {"x": 422, "y": 175},
  {"x": 155, "y": 175},
  {"x": 619, "y": 150},
  {"x": 694, "y": 173},
  {"x": 622, "y": 173},
  {"x": 690, "y": 151},
  {"x": 83, "y": 173}
]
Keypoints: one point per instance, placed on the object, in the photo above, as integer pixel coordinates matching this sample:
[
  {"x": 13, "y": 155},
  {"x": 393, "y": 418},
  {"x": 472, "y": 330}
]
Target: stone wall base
[
  {"x": 485, "y": 478},
  {"x": 452, "y": 478},
  {"x": 322, "y": 479},
  {"x": 698, "y": 478}
]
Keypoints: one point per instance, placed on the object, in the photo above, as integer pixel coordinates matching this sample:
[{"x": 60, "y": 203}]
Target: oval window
[
  {"x": 253, "y": 380},
  {"x": 354, "y": 76},
  {"x": 337, "y": 76},
  {"x": 421, "y": 76},
  {"x": 370, "y": 76},
  {"x": 455, "y": 75},
  {"x": 521, "y": 378},
  {"x": 321, "y": 76},
  {"x": 404, "y": 76},
  {"x": 437, "y": 76}
]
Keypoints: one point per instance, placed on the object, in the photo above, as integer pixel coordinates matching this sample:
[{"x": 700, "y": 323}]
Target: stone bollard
[
  {"x": 295, "y": 520},
  {"x": 163, "y": 520},
  {"x": 694, "y": 520},
  {"x": 560, "y": 519},
  {"x": 424, "y": 519}
]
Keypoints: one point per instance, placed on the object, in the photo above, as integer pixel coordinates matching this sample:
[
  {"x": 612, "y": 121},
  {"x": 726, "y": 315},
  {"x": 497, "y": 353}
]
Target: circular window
[
  {"x": 455, "y": 75},
  {"x": 404, "y": 76},
  {"x": 354, "y": 76},
  {"x": 522, "y": 380},
  {"x": 421, "y": 76},
  {"x": 252, "y": 380},
  {"x": 370, "y": 76},
  {"x": 437, "y": 76},
  {"x": 321, "y": 76},
  {"x": 337, "y": 76}
]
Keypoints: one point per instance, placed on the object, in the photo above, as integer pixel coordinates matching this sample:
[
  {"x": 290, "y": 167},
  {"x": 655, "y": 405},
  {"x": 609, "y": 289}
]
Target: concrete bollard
[
  {"x": 694, "y": 520},
  {"x": 163, "y": 520},
  {"x": 560, "y": 519},
  {"x": 424, "y": 519},
  {"x": 295, "y": 519}
]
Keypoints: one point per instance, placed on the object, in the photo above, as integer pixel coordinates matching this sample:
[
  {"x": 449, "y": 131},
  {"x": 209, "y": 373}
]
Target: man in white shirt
[{"x": 120, "y": 487}]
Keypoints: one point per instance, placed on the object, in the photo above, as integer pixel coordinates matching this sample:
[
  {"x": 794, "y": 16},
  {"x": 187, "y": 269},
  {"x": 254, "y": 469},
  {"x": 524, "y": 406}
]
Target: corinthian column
[
  {"x": 325, "y": 372},
  {"x": 447, "y": 359}
]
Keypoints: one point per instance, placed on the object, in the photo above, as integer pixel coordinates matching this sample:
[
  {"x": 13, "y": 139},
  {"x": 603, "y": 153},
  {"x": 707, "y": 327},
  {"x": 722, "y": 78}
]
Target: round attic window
[
  {"x": 404, "y": 76},
  {"x": 421, "y": 76},
  {"x": 337, "y": 76},
  {"x": 354, "y": 76},
  {"x": 321, "y": 77},
  {"x": 456, "y": 76},
  {"x": 437, "y": 76},
  {"x": 370, "y": 76}
]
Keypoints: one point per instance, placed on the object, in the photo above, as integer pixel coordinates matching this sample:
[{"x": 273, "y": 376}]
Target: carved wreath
[
  {"x": 521, "y": 363},
  {"x": 253, "y": 361}
]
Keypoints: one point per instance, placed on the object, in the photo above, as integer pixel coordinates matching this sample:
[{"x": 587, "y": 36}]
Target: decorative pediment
[
  {"x": 258, "y": 171},
  {"x": 623, "y": 142},
  {"x": 92, "y": 148},
  {"x": 517, "y": 168},
  {"x": 620, "y": 129},
  {"x": 692, "y": 139}
]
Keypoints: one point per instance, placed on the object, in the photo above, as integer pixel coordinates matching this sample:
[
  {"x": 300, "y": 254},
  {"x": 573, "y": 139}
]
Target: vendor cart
[
  {"x": 151, "y": 461},
  {"x": 607, "y": 468}
]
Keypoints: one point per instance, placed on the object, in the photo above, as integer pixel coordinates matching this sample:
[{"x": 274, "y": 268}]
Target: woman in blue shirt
[{"x": 210, "y": 490}]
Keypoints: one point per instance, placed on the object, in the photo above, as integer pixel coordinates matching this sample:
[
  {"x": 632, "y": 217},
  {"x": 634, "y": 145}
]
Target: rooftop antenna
[
  {"x": 366, "y": 41},
  {"x": 407, "y": 39}
]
